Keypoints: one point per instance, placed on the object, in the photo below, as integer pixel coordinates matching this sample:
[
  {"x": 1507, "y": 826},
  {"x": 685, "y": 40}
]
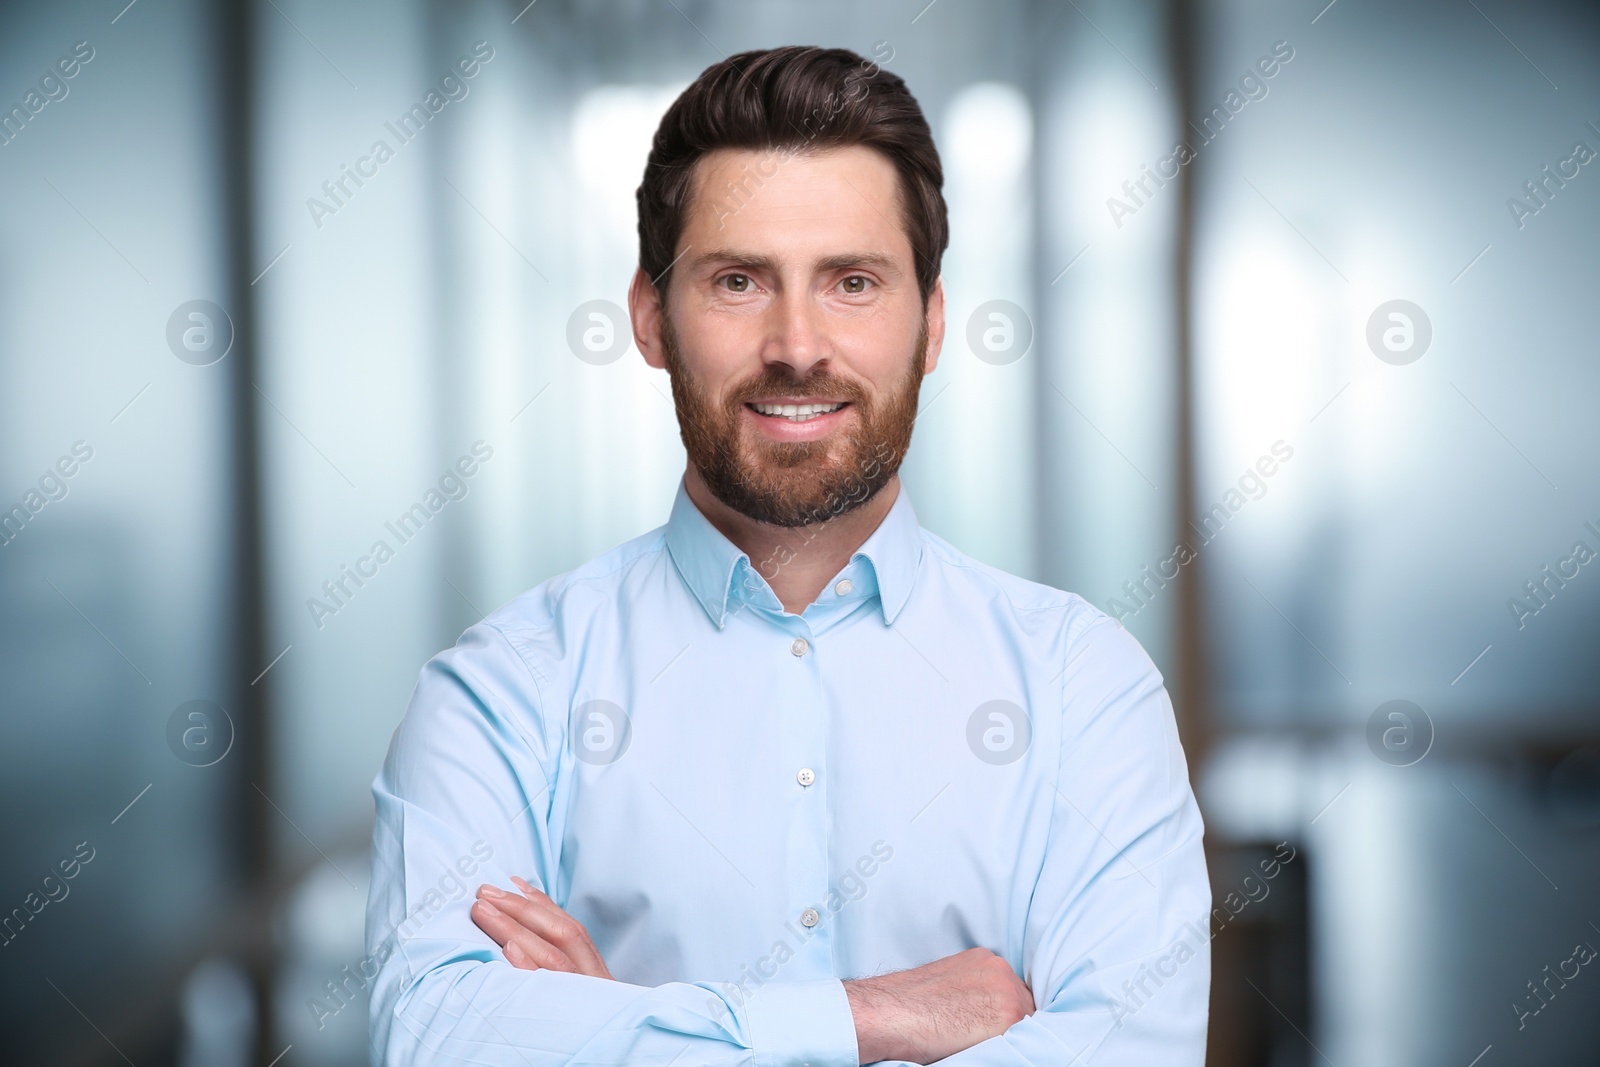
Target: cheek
[
  {"x": 883, "y": 361},
  {"x": 718, "y": 345},
  {"x": 710, "y": 384}
]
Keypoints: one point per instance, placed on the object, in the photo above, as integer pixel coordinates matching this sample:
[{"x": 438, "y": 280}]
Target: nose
[{"x": 798, "y": 339}]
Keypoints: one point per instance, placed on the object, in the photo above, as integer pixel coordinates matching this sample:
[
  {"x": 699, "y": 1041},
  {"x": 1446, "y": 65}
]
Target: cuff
[{"x": 802, "y": 1024}]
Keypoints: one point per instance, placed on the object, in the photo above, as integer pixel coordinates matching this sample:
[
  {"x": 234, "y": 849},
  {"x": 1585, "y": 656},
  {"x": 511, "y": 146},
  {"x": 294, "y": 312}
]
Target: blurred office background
[{"x": 225, "y": 365}]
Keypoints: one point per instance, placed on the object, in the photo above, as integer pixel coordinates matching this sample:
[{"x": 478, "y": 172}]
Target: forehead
[{"x": 796, "y": 203}]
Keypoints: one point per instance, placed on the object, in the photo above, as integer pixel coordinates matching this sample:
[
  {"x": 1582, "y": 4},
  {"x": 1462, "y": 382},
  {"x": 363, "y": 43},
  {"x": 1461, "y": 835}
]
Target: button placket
[{"x": 804, "y": 732}]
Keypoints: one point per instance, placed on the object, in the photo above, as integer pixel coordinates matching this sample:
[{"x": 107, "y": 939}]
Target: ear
[
  {"x": 644, "y": 309},
  {"x": 935, "y": 325}
]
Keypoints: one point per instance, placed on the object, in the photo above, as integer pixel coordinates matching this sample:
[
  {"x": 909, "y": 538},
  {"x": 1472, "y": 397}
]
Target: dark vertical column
[
  {"x": 1190, "y": 698},
  {"x": 1049, "y": 42},
  {"x": 447, "y": 369},
  {"x": 1270, "y": 947},
  {"x": 1190, "y": 695},
  {"x": 235, "y": 78}
]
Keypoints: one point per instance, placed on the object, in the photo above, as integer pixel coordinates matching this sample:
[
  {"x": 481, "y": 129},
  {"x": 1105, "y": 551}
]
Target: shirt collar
[{"x": 717, "y": 571}]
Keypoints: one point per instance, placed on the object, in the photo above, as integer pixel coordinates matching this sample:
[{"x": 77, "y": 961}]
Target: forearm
[
  {"x": 1166, "y": 1023},
  {"x": 927, "y": 1013},
  {"x": 871, "y": 1014},
  {"x": 487, "y": 1012}
]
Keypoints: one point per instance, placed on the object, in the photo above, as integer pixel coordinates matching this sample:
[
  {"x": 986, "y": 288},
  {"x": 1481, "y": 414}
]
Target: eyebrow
[{"x": 754, "y": 261}]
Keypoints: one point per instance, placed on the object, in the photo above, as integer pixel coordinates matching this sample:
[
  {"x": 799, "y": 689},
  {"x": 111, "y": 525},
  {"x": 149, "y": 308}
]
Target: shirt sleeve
[
  {"x": 465, "y": 796},
  {"x": 1116, "y": 947}
]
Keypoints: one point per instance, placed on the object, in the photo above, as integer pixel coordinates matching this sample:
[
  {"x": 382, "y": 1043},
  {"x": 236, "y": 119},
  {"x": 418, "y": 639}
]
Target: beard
[{"x": 794, "y": 483}]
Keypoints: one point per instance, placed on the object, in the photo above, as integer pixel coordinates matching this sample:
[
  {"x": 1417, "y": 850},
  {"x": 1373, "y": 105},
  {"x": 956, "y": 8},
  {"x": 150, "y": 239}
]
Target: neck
[{"x": 796, "y": 561}]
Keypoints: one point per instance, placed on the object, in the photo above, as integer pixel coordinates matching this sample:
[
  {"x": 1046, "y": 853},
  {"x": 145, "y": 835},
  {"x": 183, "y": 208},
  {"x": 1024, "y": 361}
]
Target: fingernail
[
  {"x": 488, "y": 908},
  {"x": 491, "y": 891},
  {"x": 513, "y": 952}
]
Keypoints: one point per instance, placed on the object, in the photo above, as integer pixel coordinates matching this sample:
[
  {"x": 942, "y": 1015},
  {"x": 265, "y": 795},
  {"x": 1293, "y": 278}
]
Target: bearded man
[{"x": 790, "y": 780}]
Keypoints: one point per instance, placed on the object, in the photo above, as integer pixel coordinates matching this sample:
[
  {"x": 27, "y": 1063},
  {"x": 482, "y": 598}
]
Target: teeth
[{"x": 797, "y": 412}]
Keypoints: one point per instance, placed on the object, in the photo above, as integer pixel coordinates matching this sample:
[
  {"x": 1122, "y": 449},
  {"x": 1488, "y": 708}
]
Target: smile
[{"x": 796, "y": 412}]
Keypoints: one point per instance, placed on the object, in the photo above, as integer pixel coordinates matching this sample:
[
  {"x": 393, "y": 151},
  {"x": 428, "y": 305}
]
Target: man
[{"x": 790, "y": 780}]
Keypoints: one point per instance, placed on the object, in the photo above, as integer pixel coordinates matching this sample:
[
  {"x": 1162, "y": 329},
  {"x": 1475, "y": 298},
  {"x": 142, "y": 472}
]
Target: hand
[
  {"x": 936, "y": 1010},
  {"x": 534, "y": 932}
]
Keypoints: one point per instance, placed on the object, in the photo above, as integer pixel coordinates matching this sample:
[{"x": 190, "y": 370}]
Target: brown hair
[{"x": 798, "y": 98}]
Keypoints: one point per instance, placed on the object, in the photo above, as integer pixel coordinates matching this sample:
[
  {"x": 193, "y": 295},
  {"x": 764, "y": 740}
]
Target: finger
[
  {"x": 561, "y": 930},
  {"x": 538, "y": 913},
  {"x": 524, "y": 948},
  {"x": 539, "y": 916},
  {"x": 549, "y": 921},
  {"x": 577, "y": 944}
]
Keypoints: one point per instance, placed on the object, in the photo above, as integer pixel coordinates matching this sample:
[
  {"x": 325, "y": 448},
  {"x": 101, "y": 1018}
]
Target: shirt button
[
  {"x": 809, "y": 917},
  {"x": 800, "y": 646},
  {"x": 844, "y": 586},
  {"x": 806, "y": 776}
]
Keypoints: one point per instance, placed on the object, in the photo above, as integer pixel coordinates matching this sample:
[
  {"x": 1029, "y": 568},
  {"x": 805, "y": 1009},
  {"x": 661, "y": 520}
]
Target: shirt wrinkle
[{"x": 800, "y": 751}]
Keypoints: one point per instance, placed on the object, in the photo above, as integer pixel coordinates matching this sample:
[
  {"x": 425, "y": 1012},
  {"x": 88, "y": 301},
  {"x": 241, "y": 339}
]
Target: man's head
[{"x": 791, "y": 226}]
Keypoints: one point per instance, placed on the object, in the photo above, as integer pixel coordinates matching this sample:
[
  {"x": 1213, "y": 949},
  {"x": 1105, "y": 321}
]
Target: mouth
[{"x": 797, "y": 412}]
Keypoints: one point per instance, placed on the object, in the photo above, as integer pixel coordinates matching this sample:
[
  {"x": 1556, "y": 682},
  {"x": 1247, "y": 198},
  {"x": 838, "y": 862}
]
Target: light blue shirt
[{"x": 744, "y": 806}]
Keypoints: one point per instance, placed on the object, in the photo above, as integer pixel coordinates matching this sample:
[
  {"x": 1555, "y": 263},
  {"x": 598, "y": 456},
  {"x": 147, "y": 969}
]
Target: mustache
[{"x": 773, "y": 382}]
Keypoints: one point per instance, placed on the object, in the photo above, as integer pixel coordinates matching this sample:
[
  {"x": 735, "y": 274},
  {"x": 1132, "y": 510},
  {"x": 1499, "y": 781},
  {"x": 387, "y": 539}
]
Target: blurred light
[
  {"x": 1253, "y": 787},
  {"x": 218, "y": 1013},
  {"x": 1262, "y": 341},
  {"x": 324, "y": 915},
  {"x": 1103, "y": 133},
  {"x": 322, "y": 990},
  {"x": 611, "y": 130},
  {"x": 980, "y": 455},
  {"x": 988, "y": 133}
]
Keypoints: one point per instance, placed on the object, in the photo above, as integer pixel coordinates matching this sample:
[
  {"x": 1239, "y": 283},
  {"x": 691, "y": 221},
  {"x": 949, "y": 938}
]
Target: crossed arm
[
  {"x": 1114, "y": 940},
  {"x": 918, "y": 1015}
]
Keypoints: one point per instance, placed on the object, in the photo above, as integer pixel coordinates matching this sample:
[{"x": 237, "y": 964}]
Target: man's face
[{"x": 794, "y": 332}]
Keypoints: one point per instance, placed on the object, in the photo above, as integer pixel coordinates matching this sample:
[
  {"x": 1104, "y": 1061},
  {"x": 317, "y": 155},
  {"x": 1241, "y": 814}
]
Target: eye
[
  {"x": 738, "y": 283},
  {"x": 856, "y": 284}
]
